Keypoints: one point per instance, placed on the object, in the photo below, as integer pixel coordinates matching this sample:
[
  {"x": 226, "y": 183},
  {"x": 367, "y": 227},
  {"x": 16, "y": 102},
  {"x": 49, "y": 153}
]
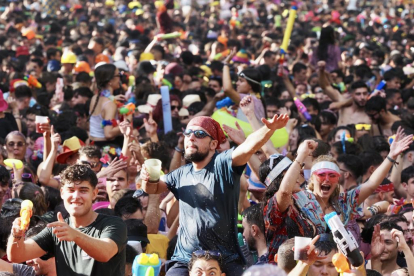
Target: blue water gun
[{"x": 226, "y": 102}]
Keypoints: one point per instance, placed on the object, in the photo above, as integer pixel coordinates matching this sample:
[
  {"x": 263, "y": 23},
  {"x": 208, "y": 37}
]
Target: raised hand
[
  {"x": 115, "y": 166},
  {"x": 399, "y": 237},
  {"x": 134, "y": 147},
  {"x": 400, "y": 143},
  {"x": 16, "y": 231},
  {"x": 150, "y": 125},
  {"x": 17, "y": 172},
  {"x": 277, "y": 122},
  {"x": 232, "y": 53},
  {"x": 307, "y": 147},
  {"x": 55, "y": 138},
  {"x": 123, "y": 127},
  {"x": 236, "y": 135},
  {"x": 62, "y": 230},
  {"x": 247, "y": 105},
  {"x": 377, "y": 243}
]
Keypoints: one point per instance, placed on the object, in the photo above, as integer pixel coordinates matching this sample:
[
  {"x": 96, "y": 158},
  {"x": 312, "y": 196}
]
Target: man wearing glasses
[{"x": 208, "y": 191}]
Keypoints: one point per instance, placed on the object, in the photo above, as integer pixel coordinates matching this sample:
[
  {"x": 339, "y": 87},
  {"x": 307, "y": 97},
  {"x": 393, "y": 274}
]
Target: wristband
[
  {"x": 392, "y": 160},
  {"x": 177, "y": 149},
  {"x": 300, "y": 164}
]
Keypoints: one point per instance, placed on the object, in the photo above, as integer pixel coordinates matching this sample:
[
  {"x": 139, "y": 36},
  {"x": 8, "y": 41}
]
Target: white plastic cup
[
  {"x": 41, "y": 120},
  {"x": 301, "y": 250},
  {"x": 154, "y": 169}
]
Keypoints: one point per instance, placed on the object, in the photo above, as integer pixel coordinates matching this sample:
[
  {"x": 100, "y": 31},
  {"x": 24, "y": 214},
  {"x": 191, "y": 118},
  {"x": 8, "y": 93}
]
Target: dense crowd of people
[{"x": 185, "y": 129}]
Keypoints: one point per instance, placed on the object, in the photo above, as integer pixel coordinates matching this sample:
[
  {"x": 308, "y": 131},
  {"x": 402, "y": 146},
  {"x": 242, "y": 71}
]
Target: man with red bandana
[{"x": 208, "y": 192}]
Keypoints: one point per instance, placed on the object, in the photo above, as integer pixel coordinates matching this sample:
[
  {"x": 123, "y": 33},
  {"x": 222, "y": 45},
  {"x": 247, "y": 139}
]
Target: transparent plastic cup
[
  {"x": 41, "y": 120},
  {"x": 154, "y": 169},
  {"x": 301, "y": 250}
]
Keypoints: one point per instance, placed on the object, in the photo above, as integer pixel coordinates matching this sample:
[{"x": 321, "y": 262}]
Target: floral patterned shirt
[{"x": 303, "y": 218}]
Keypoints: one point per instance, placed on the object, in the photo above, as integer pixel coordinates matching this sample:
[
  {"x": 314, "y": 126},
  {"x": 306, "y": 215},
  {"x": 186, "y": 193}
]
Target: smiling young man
[
  {"x": 86, "y": 243},
  {"x": 208, "y": 191}
]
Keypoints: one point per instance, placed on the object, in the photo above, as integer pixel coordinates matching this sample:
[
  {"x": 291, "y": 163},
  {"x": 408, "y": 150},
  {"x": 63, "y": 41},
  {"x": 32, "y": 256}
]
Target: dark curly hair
[
  {"x": 77, "y": 174},
  {"x": 264, "y": 171}
]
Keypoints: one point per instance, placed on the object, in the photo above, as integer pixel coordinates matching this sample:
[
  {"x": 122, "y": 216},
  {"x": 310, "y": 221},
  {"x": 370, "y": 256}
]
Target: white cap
[
  {"x": 189, "y": 99},
  {"x": 151, "y": 103}
]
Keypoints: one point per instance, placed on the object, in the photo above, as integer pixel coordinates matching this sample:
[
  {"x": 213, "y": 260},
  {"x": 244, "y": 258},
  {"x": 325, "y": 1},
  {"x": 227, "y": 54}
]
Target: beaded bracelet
[{"x": 112, "y": 122}]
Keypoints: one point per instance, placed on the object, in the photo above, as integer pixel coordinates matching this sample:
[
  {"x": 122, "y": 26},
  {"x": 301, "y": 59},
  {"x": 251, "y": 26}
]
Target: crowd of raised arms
[{"x": 201, "y": 137}]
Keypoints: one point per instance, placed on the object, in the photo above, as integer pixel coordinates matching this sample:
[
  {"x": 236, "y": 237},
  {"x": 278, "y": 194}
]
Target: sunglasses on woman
[
  {"x": 331, "y": 176},
  {"x": 200, "y": 134},
  {"x": 19, "y": 144}
]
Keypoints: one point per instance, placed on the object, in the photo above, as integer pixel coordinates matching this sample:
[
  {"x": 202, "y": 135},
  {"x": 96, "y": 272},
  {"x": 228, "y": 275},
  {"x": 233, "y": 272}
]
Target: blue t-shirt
[{"x": 208, "y": 207}]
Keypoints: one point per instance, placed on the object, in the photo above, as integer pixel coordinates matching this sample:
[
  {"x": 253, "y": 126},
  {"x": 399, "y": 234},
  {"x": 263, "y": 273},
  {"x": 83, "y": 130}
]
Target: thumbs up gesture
[{"x": 62, "y": 230}]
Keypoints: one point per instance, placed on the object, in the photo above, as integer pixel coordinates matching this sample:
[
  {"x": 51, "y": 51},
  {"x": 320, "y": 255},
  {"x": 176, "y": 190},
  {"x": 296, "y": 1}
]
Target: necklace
[{"x": 106, "y": 93}]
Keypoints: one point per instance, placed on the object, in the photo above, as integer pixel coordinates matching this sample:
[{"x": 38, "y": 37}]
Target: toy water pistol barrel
[{"x": 26, "y": 213}]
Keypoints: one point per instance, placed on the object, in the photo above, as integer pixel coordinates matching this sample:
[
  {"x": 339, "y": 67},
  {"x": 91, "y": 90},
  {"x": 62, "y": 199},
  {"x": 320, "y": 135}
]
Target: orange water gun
[
  {"x": 32, "y": 81},
  {"x": 341, "y": 264},
  {"x": 127, "y": 109},
  {"x": 26, "y": 213}
]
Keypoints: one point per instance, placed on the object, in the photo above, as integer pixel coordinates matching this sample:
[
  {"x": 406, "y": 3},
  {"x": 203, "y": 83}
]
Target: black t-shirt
[
  {"x": 72, "y": 260},
  {"x": 7, "y": 124}
]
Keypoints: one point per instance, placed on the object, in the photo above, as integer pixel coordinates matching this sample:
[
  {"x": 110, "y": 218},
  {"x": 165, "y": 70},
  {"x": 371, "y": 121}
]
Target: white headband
[{"x": 325, "y": 165}]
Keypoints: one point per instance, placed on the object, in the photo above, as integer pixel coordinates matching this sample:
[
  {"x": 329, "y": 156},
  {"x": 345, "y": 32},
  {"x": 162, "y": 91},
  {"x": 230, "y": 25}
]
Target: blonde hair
[{"x": 333, "y": 199}]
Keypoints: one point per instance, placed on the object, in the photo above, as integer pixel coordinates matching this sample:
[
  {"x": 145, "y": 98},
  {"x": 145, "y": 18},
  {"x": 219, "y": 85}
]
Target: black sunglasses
[
  {"x": 173, "y": 107},
  {"x": 139, "y": 193},
  {"x": 202, "y": 253},
  {"x": 200, "y": 134}
]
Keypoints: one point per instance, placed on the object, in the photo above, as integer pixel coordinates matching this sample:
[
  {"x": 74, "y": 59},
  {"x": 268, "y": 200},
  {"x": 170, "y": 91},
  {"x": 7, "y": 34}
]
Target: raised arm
[
  {"x": 326, "y": 86},
  {"x": 248, "y": 110},
  {"x": 227, "y": 85},
  {"x": 399, "y": 145},
  {"x": 45, "y": 174},
  {"x": 395, "y": 178},
  {"x": 110, "y": 131},
  {"x": 284, "y": 194},
  {"x": 257, "y": 139},
  {"x": 153, "y": 215}
]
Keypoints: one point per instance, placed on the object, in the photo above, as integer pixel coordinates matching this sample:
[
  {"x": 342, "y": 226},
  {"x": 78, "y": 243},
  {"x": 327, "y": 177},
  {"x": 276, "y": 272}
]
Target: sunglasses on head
[
  {"x": 243, "y": 75},
  {"x": 200, "y": 134},
  {"x": 27, "y": 176},
  {"x": 363, "y": 126},
  {"x": 139, "y": 193},
  {"x": 331, "y": 176},
  {"x": 19, "y": 144},
  {"x": 202, "y": 253}
]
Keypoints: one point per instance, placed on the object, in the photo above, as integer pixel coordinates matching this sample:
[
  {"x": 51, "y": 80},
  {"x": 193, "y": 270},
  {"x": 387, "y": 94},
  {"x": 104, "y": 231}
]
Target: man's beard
[
  {"x": 251, "y": 242},
  {"x": 197, "y": 156},
  {"x": 360, "y": 106}
]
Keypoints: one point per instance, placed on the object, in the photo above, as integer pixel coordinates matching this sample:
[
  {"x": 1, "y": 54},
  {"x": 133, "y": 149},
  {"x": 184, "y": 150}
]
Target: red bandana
[
  {"x": 211, "y": 126},
  {"x": 385, "y": 188}
]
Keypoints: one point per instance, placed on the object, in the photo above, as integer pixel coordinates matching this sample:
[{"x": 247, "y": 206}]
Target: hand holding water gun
[
  {"x": 26, "y": 213},
  {"x": 302, "y": 109},
  {"x": 346, "y": 242},
  {"x": 127, "y": 109},
  {"x": 32, "y": 81}
]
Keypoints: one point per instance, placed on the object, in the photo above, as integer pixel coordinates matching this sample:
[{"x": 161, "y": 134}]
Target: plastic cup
[
  {"x": 301, "y": 250},
  {"x": 41, "y": 120},
  {"x": 154, "y": 169}
]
